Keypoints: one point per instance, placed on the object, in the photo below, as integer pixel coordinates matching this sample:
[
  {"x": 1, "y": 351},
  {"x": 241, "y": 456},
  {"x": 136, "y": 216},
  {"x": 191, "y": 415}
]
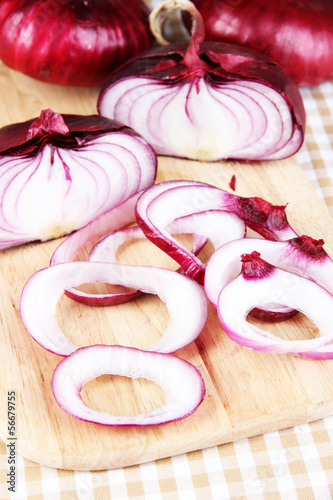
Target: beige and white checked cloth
[{"x": 291, "y": 464}]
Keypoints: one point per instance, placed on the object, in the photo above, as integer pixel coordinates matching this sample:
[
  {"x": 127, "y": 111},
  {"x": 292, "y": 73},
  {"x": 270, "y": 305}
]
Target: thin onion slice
[
  {"x": 184, "y": 298},
  {"x": 158, "y": 205},
  {"x": 181, "y": 382},
  {"x": 258, "y": 285},
  {"x": 301, "y": 255},
  {"x": 216, "y": 226}
]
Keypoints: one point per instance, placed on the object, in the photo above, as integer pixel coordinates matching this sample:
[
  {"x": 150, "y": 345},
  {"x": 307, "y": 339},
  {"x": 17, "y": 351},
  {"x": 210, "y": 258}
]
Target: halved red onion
[
  {"x": 297, "y": 34},
  {"x": 258, "y": 285},
  {"x": 160, "y": 204},
  {"x": 206, "y": 100},
  {"x": 184, "y": 298},
  {"x": 59, "y": 172},
  {"x": 182, "y": 383},
  {"x": 72, "y": 42}
]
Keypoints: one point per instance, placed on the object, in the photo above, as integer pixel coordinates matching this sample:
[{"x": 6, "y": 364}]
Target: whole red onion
[
  {"x": 72, "y": 42},
  {"x": 297, "y": 34}
]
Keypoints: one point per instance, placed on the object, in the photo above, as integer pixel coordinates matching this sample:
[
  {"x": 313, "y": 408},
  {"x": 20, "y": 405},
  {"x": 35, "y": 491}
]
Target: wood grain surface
[{"x": 248, "y": 393}]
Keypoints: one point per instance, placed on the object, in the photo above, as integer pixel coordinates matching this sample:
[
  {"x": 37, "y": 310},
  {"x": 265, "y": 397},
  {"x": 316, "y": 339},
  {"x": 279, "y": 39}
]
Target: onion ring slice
[
  {"x": 182, "y": 383},
  {"x": 185, "y": 299},
  {"x": 243, "y": 294}
]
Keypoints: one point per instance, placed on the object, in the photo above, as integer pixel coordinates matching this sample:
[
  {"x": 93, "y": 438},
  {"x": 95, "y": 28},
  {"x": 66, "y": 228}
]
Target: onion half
[
  {"x": 181, "y": 382},
  {"x": 184, "y": 298},
  {"x": 59, "y": 172},
  {"x": 206, "y": 100}
]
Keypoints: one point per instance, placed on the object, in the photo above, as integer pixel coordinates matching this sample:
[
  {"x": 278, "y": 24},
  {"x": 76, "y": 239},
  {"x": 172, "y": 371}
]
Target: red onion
[
  {"x": 158, "y": 205},
  {"x": 259, "y": 284},
  {"x": 59, "y": 172},
  {"x": 182, "y": 383},
  {"x": 207, "y": 100},
  {"x": 72, "y": 42},
  {"x": 208, "y": 224},
  {"x": 302, "y": 255},
  {"x": 297, "y": 34},
  {"x": 105, "y": 251},
  {"x": 184, "y": 298}
]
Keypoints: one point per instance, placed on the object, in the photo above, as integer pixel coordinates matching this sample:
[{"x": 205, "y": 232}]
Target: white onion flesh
[
  {"x": 184, "y": 298},
  {"x": 181, "y": 382},
  {"x": 241, "y": 295},
  {"x": 238, "y": 120},
  {"x": 58, "y": 190}
]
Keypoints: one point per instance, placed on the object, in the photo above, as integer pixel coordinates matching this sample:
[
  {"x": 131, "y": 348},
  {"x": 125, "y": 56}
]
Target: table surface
[{"x": 295, "y": 463}]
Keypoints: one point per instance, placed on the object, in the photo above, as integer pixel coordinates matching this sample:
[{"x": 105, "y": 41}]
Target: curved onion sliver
[
  {"x": 244, "y": 293},
  {"x": 182, "y": 383},
  {"x": 160, "y": 204},
  {"x": 184, "y": 298}
]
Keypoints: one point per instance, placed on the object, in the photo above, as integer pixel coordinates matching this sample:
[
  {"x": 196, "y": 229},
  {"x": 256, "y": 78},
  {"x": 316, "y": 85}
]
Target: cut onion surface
[
  {"x": 258, "y": 285},
  {"x": 181, "y": 382},
  {"x": 206, "y": 101},
  {"x": 158, "y": 205},
  {"x": 72, "y": 42},
  {"x": 184, "y": 298},
  {"x": 59, "y": 172}
]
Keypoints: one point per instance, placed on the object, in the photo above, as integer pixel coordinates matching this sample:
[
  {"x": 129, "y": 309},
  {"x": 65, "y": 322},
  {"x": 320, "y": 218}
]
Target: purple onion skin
[
  {"x": 80, "y": 129},
  {"x": 217, "y": 62},
  {"x": 72, "y": 42},
  {"x": 297, "y": 34}
]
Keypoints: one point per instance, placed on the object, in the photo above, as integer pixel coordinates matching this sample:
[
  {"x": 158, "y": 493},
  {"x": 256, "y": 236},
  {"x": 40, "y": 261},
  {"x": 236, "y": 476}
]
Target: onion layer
[
  {"x": 184, "y": 298},
  {"x": 160, "y": 204},
  {"x": 203, "y": 227},
  {"x": 182, "y": 383},
  {"x": 259, "y": 284},
  {"x": 207, "y": 100},
  {"x": 301, "y": 255},
  {"x": 59, "y": 172}
]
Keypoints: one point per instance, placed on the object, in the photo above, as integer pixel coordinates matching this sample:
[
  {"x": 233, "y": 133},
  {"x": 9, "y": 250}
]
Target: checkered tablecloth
[{"x": 291, "y": 464}]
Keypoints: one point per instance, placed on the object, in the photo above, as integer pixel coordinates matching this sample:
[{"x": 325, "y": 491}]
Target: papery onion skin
[
  {"x": 72, "y": 42},
  {"x": 59, "y": 172},
  {"x": 296, "y": 34},
  {"x": 182, "y": 383},
  {"x": 221, "y": 66}
]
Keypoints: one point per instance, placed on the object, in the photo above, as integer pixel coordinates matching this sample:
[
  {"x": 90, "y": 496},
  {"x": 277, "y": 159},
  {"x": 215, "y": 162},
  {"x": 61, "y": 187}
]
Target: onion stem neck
[{"x": 157, "y": 18}]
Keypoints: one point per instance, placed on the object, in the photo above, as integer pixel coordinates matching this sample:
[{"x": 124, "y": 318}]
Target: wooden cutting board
[{"x": 248, "y": 393}]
